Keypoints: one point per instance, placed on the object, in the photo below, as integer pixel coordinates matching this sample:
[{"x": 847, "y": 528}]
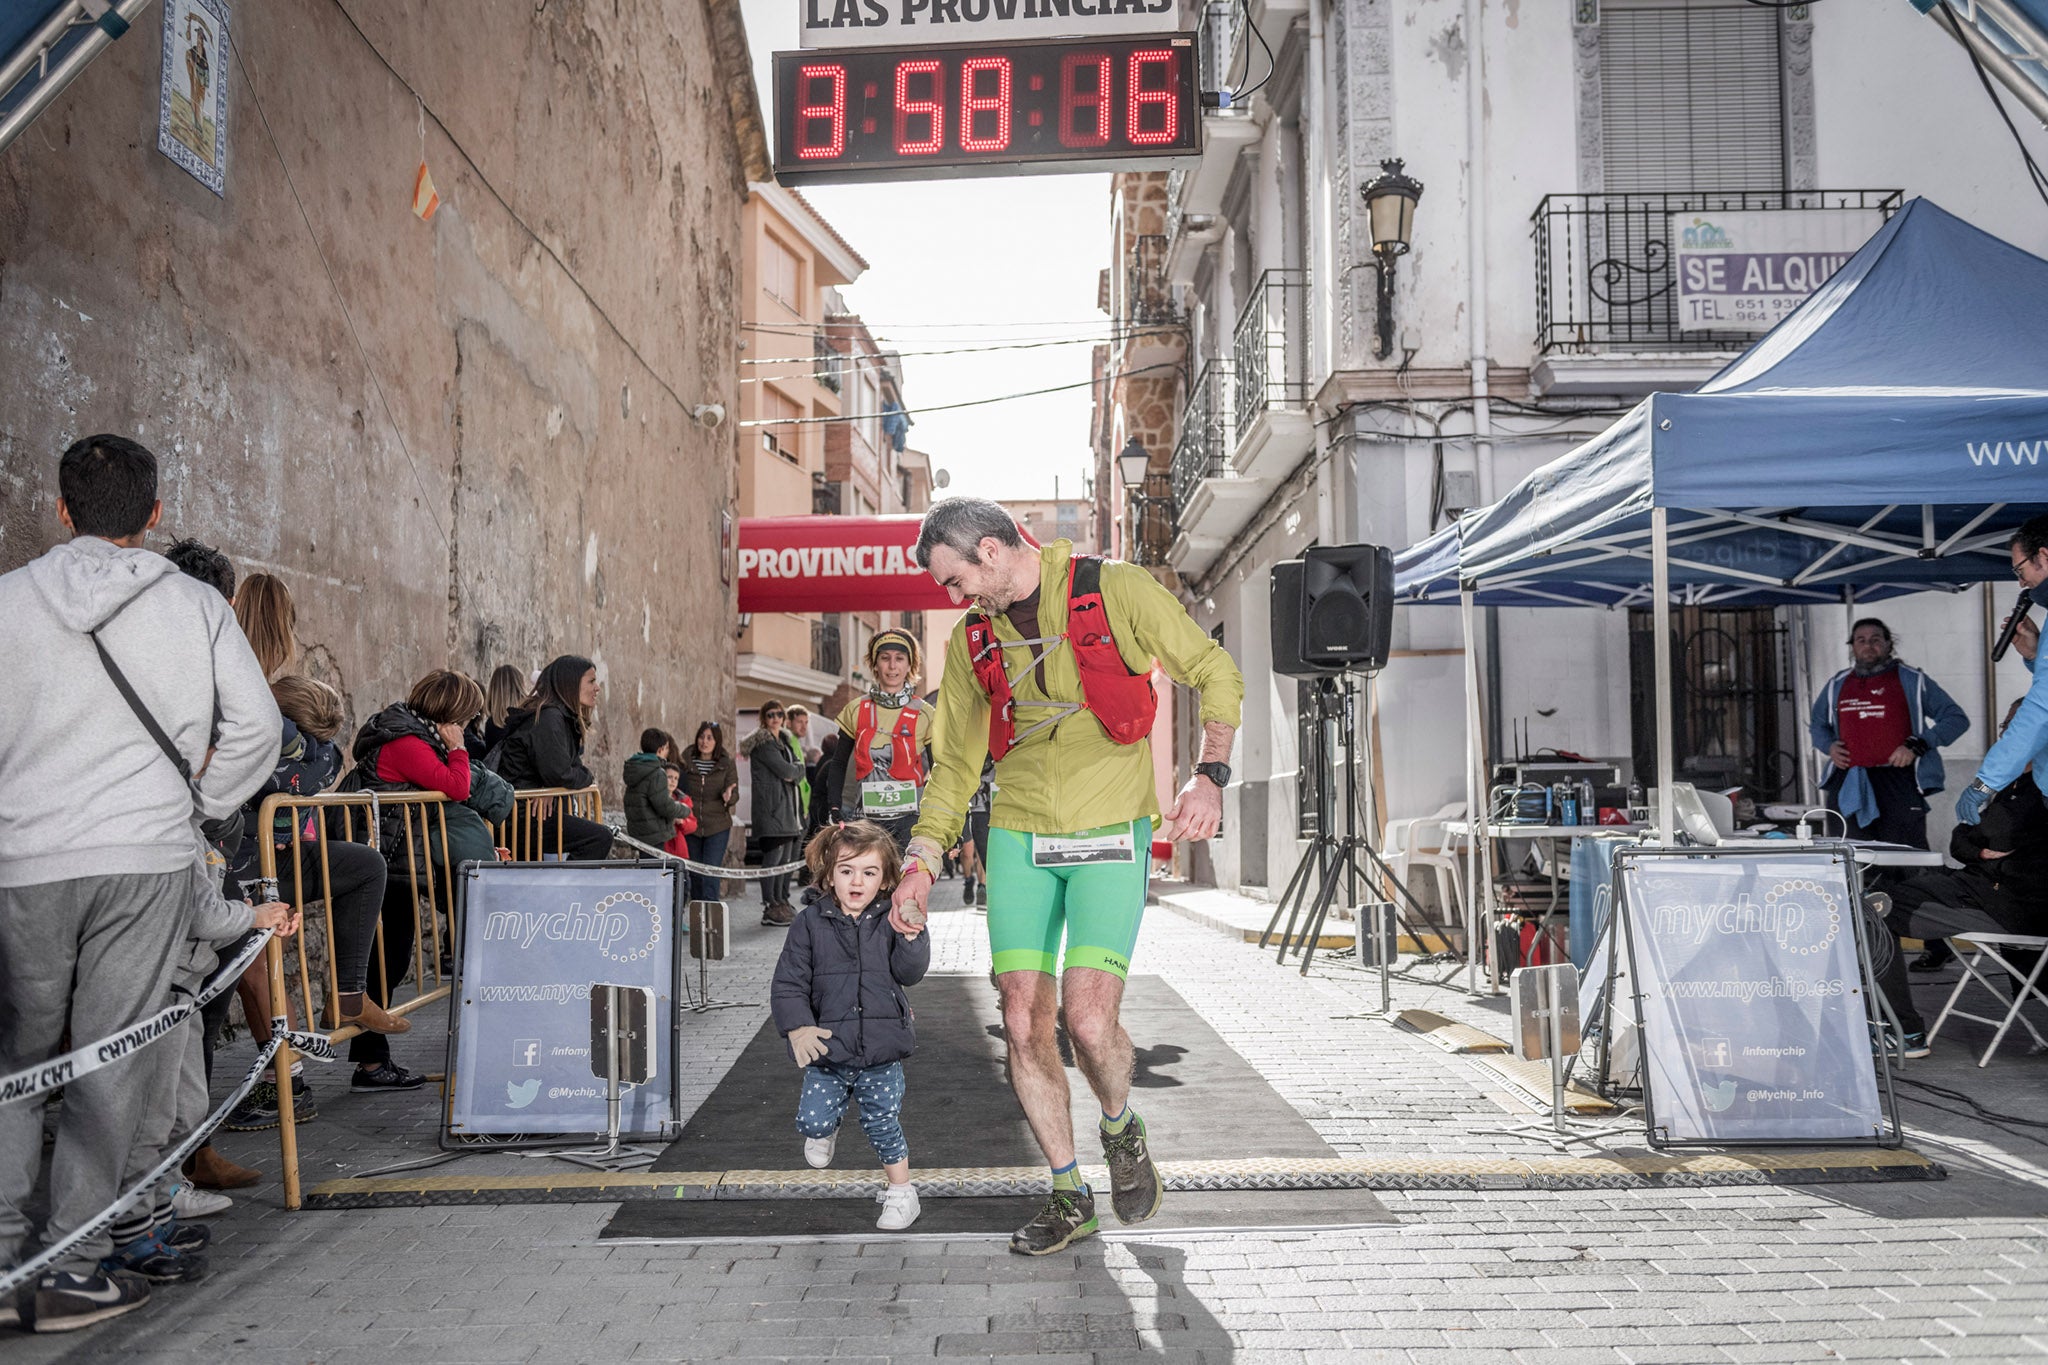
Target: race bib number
[
  {"x": 886, "y": 800},
  {"x": 1110, "y": 844}
]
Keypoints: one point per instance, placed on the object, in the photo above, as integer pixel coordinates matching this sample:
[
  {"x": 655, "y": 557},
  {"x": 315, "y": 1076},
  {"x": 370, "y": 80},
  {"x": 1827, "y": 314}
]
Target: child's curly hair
[{"x": 834, "y": 844}]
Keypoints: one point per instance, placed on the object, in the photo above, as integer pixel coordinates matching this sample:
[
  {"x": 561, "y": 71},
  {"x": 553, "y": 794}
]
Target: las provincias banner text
[{"x": 834, "y": 564}]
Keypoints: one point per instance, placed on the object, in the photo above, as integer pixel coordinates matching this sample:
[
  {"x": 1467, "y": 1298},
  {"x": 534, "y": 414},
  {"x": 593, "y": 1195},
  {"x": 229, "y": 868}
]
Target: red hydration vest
[
  {"x": 906, "y": 759},
  {"x": 1123, "y": 701}
]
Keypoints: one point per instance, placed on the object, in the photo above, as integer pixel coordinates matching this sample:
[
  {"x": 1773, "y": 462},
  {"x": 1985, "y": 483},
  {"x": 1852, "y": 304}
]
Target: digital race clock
[{"x": 1063, "y": 104}]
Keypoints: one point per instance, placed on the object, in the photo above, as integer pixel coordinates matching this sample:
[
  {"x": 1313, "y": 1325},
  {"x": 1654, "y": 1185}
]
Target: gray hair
[{"x": 961, "y": 524}]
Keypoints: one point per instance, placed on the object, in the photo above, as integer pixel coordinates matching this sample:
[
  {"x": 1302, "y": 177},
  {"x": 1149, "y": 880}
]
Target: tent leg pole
[
  {"x": 1475, "y": 803},
  {"x": 1661, "y": 591}
]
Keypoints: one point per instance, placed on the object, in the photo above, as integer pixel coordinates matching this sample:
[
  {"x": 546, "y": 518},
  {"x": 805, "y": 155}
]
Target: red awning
[{"x": 834, "y": 564}]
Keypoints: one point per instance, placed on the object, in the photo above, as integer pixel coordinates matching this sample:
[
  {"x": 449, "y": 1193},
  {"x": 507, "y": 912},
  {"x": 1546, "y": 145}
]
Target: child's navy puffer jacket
[{"x": 847, "y": 975}]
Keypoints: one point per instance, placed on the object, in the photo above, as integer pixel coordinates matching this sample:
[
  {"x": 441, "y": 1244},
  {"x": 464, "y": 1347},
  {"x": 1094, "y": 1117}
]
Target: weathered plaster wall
[{"x": 461, "y": 442}]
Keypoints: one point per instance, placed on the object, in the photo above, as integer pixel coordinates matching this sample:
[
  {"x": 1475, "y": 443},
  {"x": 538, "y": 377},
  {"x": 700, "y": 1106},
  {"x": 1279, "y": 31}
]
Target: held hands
[
  {"x": 1197, "y": 812},
  {"x": 279, "y": 917},
  {"x": 1838, "y": 753},
  {"x": 907, "y": 906},
  {"x": 808, "y": 1043}
]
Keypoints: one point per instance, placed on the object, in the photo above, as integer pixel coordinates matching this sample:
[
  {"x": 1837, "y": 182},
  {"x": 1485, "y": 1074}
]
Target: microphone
[{"x": 2012, "y": 624}]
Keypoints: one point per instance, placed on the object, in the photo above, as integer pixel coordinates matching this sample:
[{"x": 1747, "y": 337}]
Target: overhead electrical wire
[
  {"x": 953, "y": 350},
  {"x": 949, "y": 407}
]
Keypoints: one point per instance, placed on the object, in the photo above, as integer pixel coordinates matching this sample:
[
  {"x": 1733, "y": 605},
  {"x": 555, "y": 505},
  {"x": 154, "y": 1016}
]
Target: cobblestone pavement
[{"x": 1956, "y": 1269}]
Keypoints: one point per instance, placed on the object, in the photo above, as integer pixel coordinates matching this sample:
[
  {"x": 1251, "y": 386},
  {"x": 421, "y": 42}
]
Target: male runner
[{"x": 1062, "y": 698}]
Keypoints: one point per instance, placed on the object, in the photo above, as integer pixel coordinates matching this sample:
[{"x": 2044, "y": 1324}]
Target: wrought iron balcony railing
[
  {"x": 1206, "y": 433},
  {"x": 825, "y": 499},
  {"x": 830, "y": 366},
  {"x": 1605, "y": 273},
  {"x": 1148, "y": 297},
  {"x": 826, "y": 655},
  {"x": 1270, "y": 354}
]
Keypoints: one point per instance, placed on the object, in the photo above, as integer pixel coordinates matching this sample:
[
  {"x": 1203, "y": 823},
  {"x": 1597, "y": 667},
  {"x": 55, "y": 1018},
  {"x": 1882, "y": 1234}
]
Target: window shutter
[{"x": 1690, "y": 97}]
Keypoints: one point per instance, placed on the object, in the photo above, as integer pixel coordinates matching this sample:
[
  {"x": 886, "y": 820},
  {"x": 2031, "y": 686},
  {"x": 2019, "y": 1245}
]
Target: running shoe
[
  {"x": 818, "y": 1151},
  {"x": 385, "y": 1076},
  {"x": 65, "y": 1302},
  {"x": 1135, "y": 1189},
  {"x": 155, "y": 1259},
  {"x": 899, "y": 1207},
  {"x": 1068, "y": 1216},
  {"x": 185, "y": 1236},
  {"x": 258, "y": 1111}
]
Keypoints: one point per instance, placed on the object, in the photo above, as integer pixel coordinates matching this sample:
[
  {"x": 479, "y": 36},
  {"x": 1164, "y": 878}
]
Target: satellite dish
[{"x": 941, "y": 478}]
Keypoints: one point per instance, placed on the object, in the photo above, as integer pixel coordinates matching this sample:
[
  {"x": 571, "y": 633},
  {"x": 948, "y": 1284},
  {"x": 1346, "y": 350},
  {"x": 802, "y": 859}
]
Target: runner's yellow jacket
[{"x": 1068, "y": 776}]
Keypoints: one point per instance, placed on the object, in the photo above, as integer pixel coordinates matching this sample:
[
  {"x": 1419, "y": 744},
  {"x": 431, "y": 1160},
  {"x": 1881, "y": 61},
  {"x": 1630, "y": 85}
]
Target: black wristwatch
[{"x": 1219, "y": 773}]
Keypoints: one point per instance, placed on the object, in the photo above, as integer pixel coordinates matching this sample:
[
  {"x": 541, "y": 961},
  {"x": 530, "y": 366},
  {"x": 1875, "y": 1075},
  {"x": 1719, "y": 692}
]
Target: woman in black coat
[{"x": 543, "y": 747}]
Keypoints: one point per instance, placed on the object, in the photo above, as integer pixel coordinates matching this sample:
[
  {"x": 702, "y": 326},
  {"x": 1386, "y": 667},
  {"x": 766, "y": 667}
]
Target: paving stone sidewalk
[{"x": 1947, "y": 1270}]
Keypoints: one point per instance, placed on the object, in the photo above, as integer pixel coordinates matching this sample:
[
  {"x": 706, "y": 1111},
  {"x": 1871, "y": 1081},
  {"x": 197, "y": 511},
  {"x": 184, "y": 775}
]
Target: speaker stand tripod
[{"x": 1331, "y": 857}]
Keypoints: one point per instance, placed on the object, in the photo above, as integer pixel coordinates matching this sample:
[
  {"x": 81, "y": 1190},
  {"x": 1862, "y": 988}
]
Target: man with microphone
[{"x": 2027, "y": 734}]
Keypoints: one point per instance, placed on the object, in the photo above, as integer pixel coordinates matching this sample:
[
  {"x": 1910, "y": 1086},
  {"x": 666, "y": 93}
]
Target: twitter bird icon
[{"x": 519, "y": 1094}]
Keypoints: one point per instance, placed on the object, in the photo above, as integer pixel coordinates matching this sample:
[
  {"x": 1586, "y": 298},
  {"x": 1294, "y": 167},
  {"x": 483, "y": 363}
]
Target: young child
[{"x": 838, "y": 1000}]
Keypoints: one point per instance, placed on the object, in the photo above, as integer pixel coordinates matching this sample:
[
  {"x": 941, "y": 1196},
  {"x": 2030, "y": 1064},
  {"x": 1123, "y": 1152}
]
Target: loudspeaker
[
  {"x": 1347, "y": 606},
  {"x": 1285, "y": 614}
]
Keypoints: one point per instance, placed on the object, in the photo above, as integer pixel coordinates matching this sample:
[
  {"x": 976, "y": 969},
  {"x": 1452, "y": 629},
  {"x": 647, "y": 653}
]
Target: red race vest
[
  {"x": 1121, "y": 700},
  {"x": 906, "y": 760}
]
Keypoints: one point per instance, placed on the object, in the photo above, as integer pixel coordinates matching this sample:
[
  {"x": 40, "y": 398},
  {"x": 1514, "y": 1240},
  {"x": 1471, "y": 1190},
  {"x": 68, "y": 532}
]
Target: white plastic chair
[
  {"x": 1419, "y": 843},
  {"x": 1971, "y": 950}
]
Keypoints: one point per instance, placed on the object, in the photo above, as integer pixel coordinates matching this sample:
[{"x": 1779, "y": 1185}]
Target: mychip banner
[
  {"x": 535, "y": 939},
  {"x": 1748, "y": 979}
]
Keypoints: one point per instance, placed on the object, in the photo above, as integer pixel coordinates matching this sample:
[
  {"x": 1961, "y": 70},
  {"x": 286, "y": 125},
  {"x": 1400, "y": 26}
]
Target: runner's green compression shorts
[{"x": 1096, "y": 905}]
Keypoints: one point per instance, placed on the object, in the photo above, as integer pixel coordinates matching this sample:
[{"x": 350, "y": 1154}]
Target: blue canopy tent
[{"x": 1883, "y": 438}]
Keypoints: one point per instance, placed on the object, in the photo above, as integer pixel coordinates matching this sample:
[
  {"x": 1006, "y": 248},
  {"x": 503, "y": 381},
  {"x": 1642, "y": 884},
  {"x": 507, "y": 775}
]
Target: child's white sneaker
[
  {"x": 818, "y": 1151},
  {"x": 899, "y": 1207}
]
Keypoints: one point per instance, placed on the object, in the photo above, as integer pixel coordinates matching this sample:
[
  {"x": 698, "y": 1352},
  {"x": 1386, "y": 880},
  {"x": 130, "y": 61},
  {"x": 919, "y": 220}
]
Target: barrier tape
[
  {"x": 313, "y": 1045},
  {"x": 706, "y": 869},
  {"x": 47, "y": 1076}
]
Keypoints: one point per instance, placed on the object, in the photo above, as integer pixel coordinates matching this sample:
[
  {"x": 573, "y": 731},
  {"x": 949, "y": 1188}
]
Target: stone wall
[{"x": 461, "y": 442}]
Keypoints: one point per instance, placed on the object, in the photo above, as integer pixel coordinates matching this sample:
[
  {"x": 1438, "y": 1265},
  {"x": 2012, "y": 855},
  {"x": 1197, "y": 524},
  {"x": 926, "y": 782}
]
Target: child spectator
[
  {"x": 653, "y": 815},
  {"x": 679, "y": 843},
  {"x": 838, "y": 1000}
]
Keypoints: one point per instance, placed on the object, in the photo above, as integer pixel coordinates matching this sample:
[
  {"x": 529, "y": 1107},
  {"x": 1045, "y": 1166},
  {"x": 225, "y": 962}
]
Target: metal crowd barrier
[{"x": 423, "y": 818}]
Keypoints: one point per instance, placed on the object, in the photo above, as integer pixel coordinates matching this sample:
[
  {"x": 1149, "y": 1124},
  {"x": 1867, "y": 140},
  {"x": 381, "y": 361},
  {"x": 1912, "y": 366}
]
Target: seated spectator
[
  {"x": 95, "y": 870},
  {"x": 417, "y": 745},
  {"x": 652, "y": 811},
  {"x": 356, "y": 873},
  {"x": 2002, "y": 887},
  {"x": 543, "y": 748},
  {"x": 712, "y": 782},
  {"x": 507, "y": 688}
]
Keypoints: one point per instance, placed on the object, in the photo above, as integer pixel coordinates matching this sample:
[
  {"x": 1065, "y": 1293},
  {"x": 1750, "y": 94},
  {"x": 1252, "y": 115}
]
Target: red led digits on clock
[
  {"x": 973, "y": 105},
  {"x": 1140, "y": 98},
  {"x": 830, "y": 111},
  {"x": 1084, "y": 113},
  {"x": 908, "y": 108}
]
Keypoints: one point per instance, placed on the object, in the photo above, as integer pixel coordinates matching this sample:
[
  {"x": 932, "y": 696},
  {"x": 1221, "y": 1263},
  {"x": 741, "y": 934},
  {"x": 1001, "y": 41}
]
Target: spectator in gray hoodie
[{"x": 96, "y": 836}]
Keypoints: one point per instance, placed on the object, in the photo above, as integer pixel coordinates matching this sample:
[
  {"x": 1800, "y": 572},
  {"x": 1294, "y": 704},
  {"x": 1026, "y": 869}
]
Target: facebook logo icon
[{"x": 526, "y": 1051}]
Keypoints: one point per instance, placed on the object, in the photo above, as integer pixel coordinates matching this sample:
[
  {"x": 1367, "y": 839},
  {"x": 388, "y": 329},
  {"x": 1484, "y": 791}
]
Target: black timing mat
[{"x": 1201, "y": 1102}]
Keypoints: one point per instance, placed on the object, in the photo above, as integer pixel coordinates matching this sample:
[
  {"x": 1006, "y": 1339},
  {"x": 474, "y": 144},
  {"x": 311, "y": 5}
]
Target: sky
[{"x": 974, "y": 263}]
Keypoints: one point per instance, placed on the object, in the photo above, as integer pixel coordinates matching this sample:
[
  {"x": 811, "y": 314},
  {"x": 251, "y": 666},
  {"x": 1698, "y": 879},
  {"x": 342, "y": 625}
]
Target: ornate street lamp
[
  {"x": 1390, "y": 199},
  {"x": 1134, "y": 466}
]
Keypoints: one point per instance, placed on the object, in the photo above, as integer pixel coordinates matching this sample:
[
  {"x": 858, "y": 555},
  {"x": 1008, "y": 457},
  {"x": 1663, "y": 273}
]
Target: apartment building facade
[{"x": 1331, "y": 394}]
